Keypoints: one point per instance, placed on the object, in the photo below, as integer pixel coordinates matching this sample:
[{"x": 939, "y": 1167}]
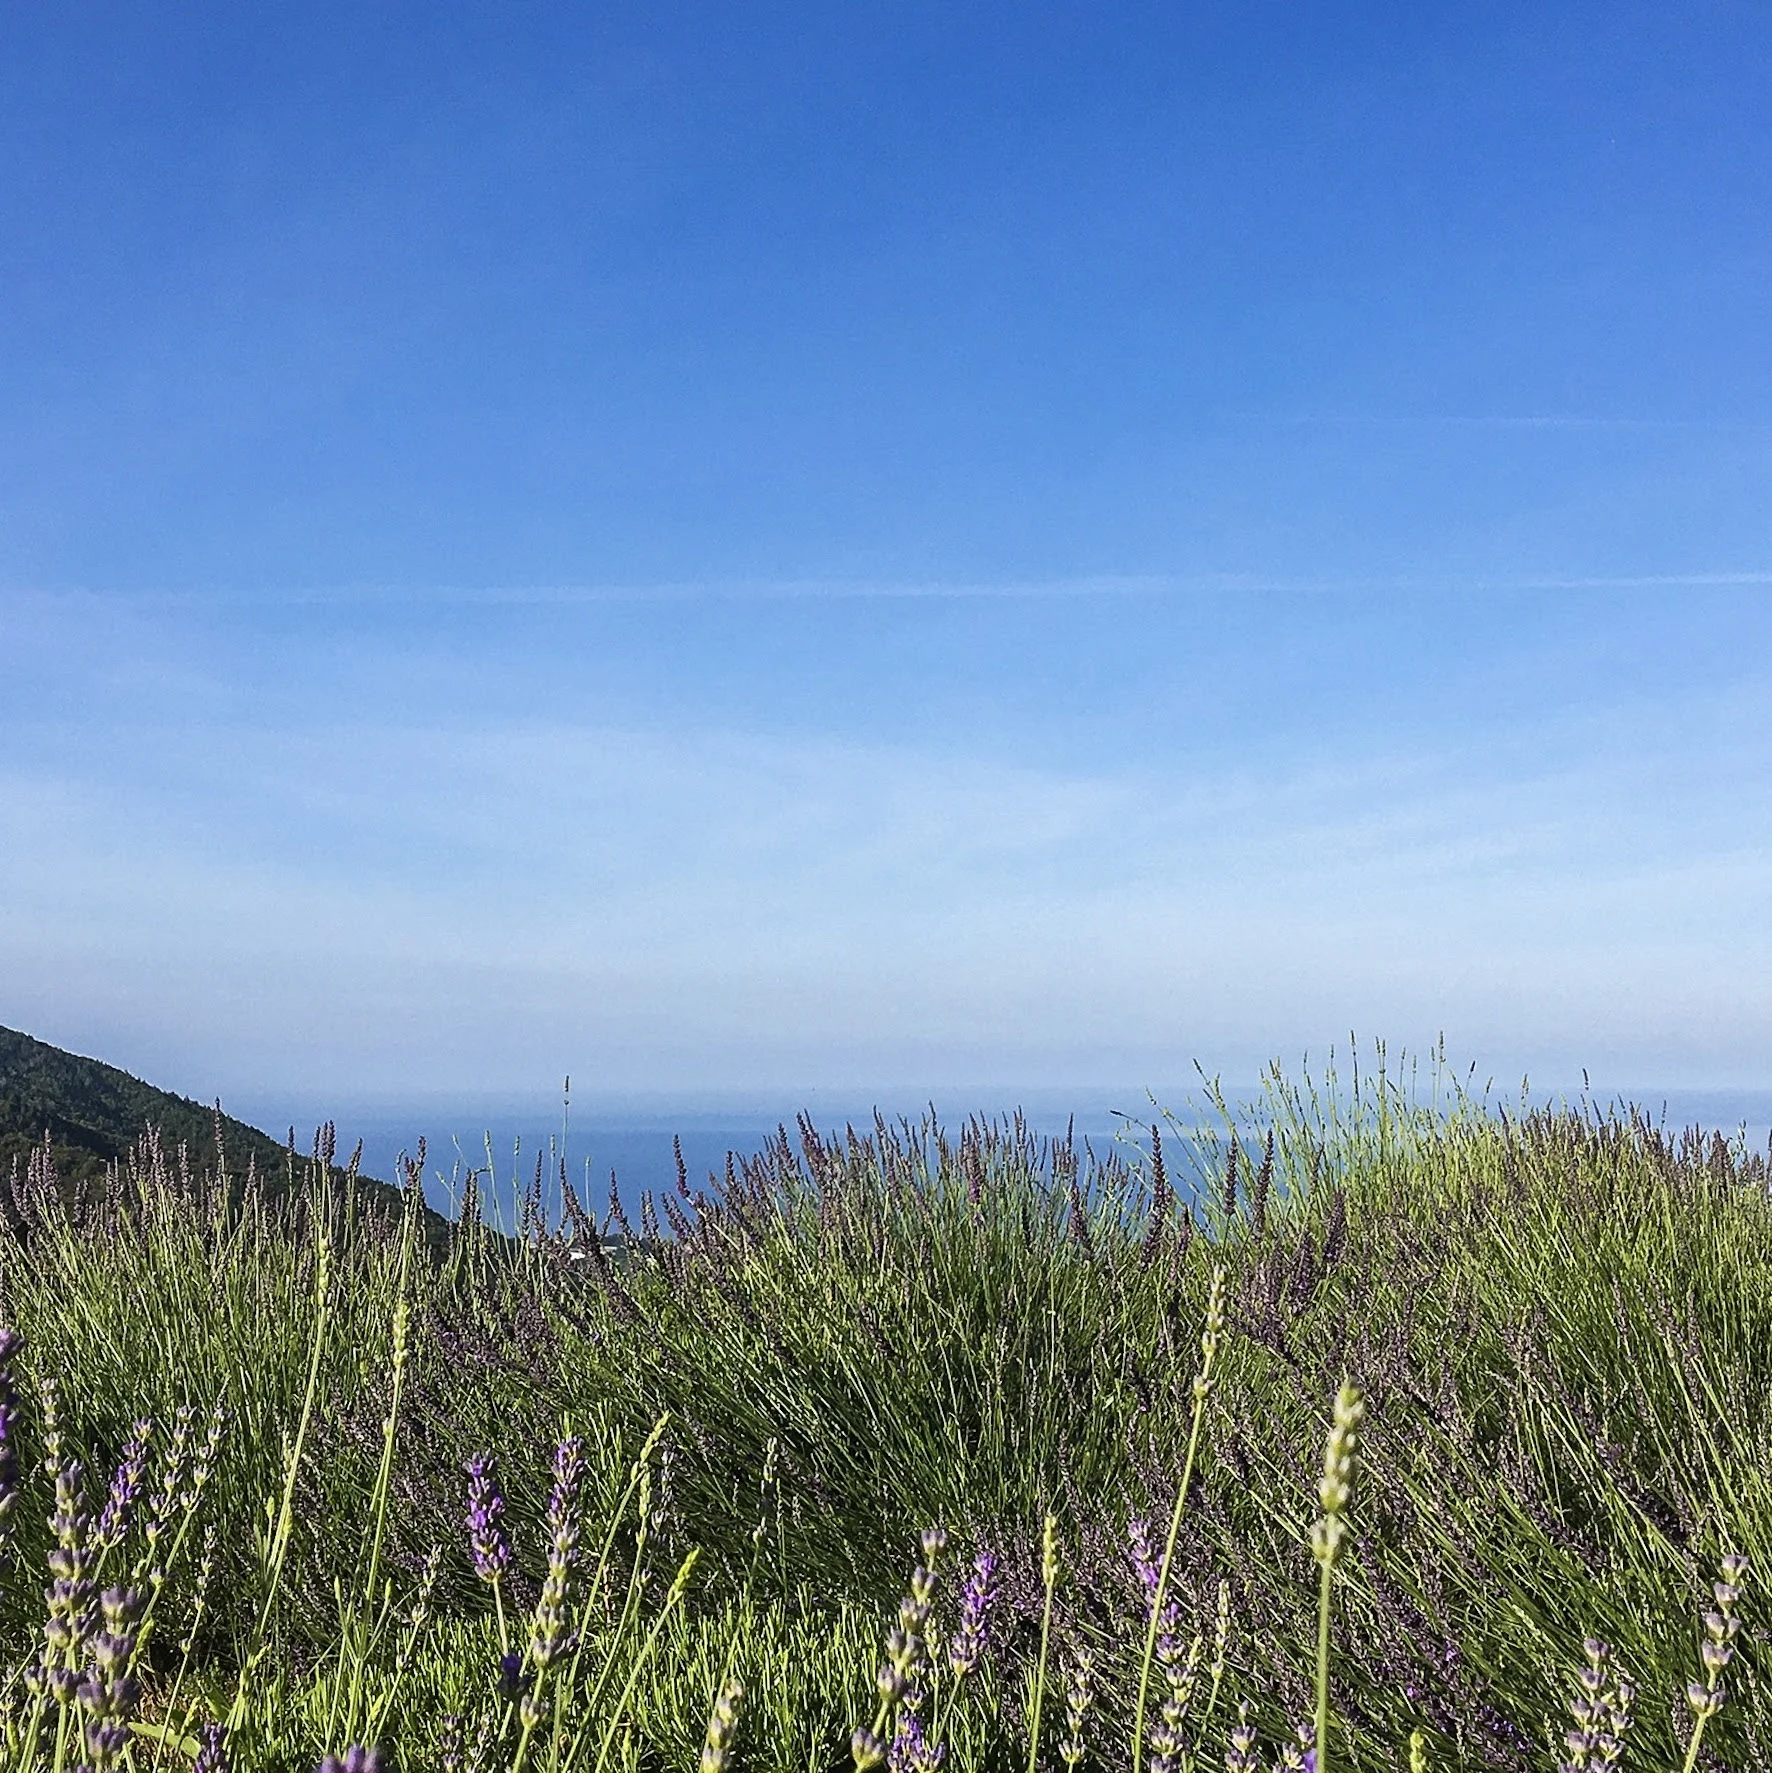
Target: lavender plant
[
  {"x": 1600, "y": 1711},
  {"x": 1079, "y": 1696},
  {"x": 716, "y": 1749},
  {"x": 11, "y": 1345},
  {"x": 488, "y": 1542},
  {"x": 1559, "y": 1322},
  {"x": 1716, "y": 1650}
]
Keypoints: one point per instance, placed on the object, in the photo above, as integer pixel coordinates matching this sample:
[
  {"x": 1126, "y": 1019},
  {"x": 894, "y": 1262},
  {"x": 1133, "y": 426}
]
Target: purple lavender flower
[
  {"x": 105, "y": 1742},
  {"x": 905, "y": 1646},
  {"x": 69, "y": 1523},
  {"x": 1179, "y": 1675},
  {"x": 1239, "y": 1756},
  {"x": 973, "y": 1637},
  {"x": 420, "y": 1612},
  {"x": 1165, "y": 1745},
  {"x": 1299, "y": 1755},
  {"x": 898, "y": 1680},
  {"x": 548, "y": 1637},
  {"x": 716, "y": 1751},
  {"x": 1147, "y": 1565},
  {"x": 449, "y": 1743},
  {"x": 109, "y": 1690},
  {"x": 355, "y": 1759},
  {"x": 866, "y": 1749},
  {"x": 212, "y": 1753},
  {"x": 203, "y": 1466},
  {"x": 126, "y": 1488},
  {"x": 1079, "y": 1697},
  {"x": 1600, "y": 1707},
  {"x": 163, "y": 1503},
  {"x": 11, "y": 1345},
  {"x": 569, "y": 1466},
  {"x": 1145, "y": 1562},
  {"x": 70, "y": 1593},
  {"x": 1161, "y": 1196},
  {"x": 912, "y": 1751},
  {"x": 513, "y": 1683},
  {"x": 487, "y": 1540}
]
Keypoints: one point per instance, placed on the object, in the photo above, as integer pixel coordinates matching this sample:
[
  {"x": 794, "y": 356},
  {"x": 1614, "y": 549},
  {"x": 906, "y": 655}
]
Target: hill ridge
[{"x": 94, "y": 1112}]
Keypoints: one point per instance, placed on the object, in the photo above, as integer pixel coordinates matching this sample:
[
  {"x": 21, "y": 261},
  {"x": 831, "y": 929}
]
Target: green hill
[{"x": 94, "y": 1113}]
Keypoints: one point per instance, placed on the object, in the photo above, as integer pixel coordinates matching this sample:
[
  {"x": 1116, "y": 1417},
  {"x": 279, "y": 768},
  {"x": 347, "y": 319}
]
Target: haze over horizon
[{"x": 885, "y": 551}]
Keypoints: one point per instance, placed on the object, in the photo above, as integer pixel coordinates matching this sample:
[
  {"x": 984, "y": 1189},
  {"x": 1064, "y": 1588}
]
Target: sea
[
  {"x": 628, "y": 1142},
  {"x": 631, "y": 1145}
]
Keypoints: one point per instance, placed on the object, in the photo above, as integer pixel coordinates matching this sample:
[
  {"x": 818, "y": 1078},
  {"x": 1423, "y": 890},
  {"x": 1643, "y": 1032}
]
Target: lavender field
[{"x": 1426, "y": 1436}]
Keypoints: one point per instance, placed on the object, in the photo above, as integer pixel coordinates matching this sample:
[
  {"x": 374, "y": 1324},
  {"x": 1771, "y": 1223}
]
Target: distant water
[{"x": 633, "y": 1138}]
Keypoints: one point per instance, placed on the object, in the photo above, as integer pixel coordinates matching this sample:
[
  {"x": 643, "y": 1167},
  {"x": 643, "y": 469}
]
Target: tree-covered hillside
[{"x": 93, "y": 1113}]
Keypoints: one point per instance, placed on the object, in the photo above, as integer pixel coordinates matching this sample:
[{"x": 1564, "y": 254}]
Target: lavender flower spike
[
  {"x": 449, "y": 1743},
  {"x": 70, "y": 1592},
  {"x": 973, "y": 1636},
  {"x": 722, "y": 1727},
  {"x": 126, "y": 1488},
  {"x": 549, "y": 1637},
  {"x": 569, "y": 1466},
  {"x": 912, "y": 1751},
  {"x": 355, "y": 1759},
  {"x": 1300, "y": 1755},
  {"x": 487, "y": 1539},
  {"x": 1239, "y": 1755},
  {"x": 11, "y": 1344},
  {"x": 212, "y": 1754},
  {"x": 513, "y": 1681},
  {"x": 1079, "y": 1696},
  {"x": 109, "y": 1690},
  {"x": 1145, "y": 1558}
]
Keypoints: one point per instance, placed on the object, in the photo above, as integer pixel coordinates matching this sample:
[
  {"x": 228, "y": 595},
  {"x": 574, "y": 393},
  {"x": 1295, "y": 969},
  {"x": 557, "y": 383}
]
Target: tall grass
[{"x": 1550, "y": 1334}]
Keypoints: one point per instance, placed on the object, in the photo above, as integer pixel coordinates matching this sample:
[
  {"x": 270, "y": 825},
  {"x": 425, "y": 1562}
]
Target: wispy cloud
[{"x": 472, "y": 897}]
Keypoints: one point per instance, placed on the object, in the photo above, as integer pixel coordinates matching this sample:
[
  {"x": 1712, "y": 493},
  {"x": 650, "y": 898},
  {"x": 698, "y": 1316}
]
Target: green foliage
[
  {"x": 1553, "y": 1330},
  {"x": 88, "y": 1115}
]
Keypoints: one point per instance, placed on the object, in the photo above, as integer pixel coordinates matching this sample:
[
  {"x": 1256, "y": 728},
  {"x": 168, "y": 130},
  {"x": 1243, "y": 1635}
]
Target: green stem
[
  {"x": 61, "y": 1737},
  {"x": 646, "y": 1649},
  {"x": 1323, "y": 1587},
  {"x": 595, "y": 1584},
  {"x": 355, "y": 1639},
  {"x": 279, "y": 1546},
  {"x": 1040, "y": 1675},
  {"x": 384, "y": 1476},
  {"x": 529, "y": 1723},
  {"x": 1698, "y": 1730},
  {"x": 1692, "y": 1746},
  {"x": 1150, "y": 1636},
  {"x": 1212, "y": 1693},
  {"x": 630, "y": 1608}
]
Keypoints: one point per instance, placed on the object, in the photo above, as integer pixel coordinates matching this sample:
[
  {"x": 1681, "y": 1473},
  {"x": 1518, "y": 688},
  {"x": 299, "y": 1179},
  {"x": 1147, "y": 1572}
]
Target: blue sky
[{"x": 876, "y": 547}]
